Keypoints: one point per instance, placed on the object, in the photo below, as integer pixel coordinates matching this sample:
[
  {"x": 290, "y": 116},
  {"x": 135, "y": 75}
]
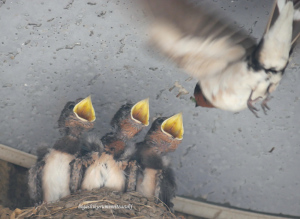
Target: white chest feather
[
  {"x": 56, "y": 175},
  {"x": 146, "y": 184},
  {"x": 104, "y": 172},
  {"x": 230, "y": 90}
]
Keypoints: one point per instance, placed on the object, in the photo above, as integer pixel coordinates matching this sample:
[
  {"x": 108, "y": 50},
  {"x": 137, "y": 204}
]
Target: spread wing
[{"x": 195, "y": 37}]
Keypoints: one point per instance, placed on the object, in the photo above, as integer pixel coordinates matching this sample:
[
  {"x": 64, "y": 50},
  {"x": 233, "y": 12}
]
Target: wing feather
[{"x": 201, "y": 42}]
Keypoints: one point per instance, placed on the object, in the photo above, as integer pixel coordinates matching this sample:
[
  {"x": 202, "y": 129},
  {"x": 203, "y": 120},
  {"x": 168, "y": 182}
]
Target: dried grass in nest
[
  {"x": 5, "y": 212},
  {"x": 88, "y": 204}
]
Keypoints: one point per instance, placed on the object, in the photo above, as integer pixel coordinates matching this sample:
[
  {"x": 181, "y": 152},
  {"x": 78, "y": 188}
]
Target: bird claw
[
  {"x": 264, "y": 104},
  {"x": 253, "y": 109},
  {"x": 250, "y": 104}
]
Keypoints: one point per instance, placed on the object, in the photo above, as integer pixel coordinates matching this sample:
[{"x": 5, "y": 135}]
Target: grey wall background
[{"x": 55, "y": 51}]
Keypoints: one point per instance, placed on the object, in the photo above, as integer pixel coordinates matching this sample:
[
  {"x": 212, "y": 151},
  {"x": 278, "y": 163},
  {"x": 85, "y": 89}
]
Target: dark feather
[
  {"x": 68, "y": 145},
  {"x": 91, "y": 143},
  {"x": 131, "y": 176},
  {"x": 77, "y": 170},
  {"x": 167, "y": 186},
  {"x": 147, "y": 157},
  {"x": 41, "y": 153},
  {"x": 35, "y": 181},
  {"x": 113, "y": 145},
  {"x": 65, "y": 113},
  {"x": 120, "y": 115}
]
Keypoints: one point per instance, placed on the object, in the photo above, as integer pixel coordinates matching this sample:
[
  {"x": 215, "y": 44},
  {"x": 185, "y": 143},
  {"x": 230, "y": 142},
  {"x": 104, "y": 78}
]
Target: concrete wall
[{"x": 59, "y": 50}]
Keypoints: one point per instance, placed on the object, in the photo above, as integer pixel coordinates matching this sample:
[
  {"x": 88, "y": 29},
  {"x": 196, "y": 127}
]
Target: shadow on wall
[{"x": 13, "y": 186}]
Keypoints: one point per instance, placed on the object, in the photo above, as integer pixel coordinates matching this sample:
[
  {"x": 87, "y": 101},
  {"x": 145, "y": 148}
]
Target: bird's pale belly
[
  {"x": 235, "y": 101},
  {"x": 234, "y": 96},
  {"x": 56, "y": 175},
  {"x": 105, "y": 172}
]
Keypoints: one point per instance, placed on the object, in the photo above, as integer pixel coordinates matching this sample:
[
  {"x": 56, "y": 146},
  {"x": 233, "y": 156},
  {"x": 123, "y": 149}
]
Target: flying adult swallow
[
  {"x": 105, "y": 167},
  {"x": 155, "y": 175},
  {"x": 233, "y": 71},
  {"x": 49, "y": 177}
]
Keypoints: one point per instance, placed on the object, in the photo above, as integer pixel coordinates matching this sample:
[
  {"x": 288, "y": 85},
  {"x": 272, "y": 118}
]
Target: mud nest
[{"x": 99, "y": 203}]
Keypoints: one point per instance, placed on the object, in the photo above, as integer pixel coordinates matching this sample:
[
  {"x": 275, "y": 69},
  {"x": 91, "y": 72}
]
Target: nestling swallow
[
  {"x": 130, "y": 119},
  {"x": 105, "y": 167},
  {"x": 233, "y": 70},
  {"x": 156, "y": 177},
  {"x": 49, "y": 177}
]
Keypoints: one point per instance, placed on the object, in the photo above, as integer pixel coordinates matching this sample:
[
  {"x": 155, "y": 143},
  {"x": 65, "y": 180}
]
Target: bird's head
[
  {"x": 163, "y": 137},
  {"x": 77, "y": 116},
  {"x": 131, "y": 119},
  {"x": 166, "y": 134}
]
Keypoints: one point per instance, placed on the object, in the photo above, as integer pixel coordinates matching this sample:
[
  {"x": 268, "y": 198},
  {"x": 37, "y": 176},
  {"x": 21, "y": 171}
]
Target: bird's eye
[
  {"x": 112, "y": 149},
  {"x": 71, "y": 106}
]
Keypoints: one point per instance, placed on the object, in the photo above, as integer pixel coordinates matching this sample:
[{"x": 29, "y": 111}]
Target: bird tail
[
  {"x": 296, "y": 23},
  {"x": 280, "y": 34}
]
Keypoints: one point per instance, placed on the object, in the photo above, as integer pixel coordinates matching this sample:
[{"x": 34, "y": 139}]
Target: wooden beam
[
  {"x": 205, "y": 210},
  {"x": 16, "y": 156}
]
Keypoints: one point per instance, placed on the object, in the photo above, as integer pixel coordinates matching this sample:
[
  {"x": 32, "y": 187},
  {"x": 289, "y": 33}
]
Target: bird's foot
[
  {"x": 250, "y": 103},
  {"x": 264, "y": 104}
]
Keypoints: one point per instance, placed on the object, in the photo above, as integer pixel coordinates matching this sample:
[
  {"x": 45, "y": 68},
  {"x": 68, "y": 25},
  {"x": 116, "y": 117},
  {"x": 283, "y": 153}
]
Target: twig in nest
[
  {"x": 113, "y": 203},
  {"x": 112, "y": 213},
  {"x": 67, "y": 209},
  {"x": 89, "y": 202},
  {"x": 92, "y": 196},
  {"x": 148, "y": 206},
  {"x": 55, "y": 208},
  {"x": 60, "y": 210},
  {"x": 166, "y": 206},
  {"x": 46, "y": 208},
  {"x": 25, "y": 213}
]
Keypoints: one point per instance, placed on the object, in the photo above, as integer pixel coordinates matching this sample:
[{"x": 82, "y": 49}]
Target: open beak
[
  {"x": 173, "y": 126},
  {"x": 84, "y": 110},
  {"x": 140, "y": 112}
]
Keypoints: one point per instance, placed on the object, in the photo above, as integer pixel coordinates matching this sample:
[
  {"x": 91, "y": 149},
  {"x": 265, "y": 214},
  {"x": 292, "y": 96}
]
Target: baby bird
[
  {"x": 49, "y": 177},
  {"x": 233, "y": 71},
  {"x": 105, "y": 166},
  {"x": 155, "y": 176}
]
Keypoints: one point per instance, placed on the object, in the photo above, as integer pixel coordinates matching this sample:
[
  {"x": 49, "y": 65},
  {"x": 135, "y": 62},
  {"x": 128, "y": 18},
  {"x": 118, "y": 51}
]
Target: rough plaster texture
[{"x": 55, "y": 51}]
